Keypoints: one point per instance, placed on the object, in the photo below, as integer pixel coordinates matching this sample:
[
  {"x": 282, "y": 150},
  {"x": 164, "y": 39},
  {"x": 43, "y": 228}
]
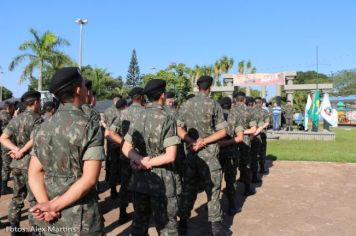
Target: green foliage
[
  {"x": 105, "y": 85},
  {"x": 345, "y": 83},
  {"x": 6, "y": 93},
  {"x": 41, "y": 53},
  {"x": 342, "y": 150},
  {"x": 310, "y": 77},
  {"x": 133, "y": 78}
]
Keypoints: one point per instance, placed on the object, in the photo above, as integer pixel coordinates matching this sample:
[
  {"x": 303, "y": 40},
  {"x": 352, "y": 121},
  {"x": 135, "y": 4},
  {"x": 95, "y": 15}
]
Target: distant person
[
  {"x": 276, "y": 114},
  {"x": 49, "y": 108},
  {"x": 288, "y": 114}
]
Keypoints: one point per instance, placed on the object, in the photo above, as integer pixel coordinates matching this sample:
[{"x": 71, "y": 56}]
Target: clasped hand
[
  {"x": 197, "y": 145},
  {"x": 15, "y": 154},
  {"x": 141, "y": 164},
  {"x": 44, "y": 211}
]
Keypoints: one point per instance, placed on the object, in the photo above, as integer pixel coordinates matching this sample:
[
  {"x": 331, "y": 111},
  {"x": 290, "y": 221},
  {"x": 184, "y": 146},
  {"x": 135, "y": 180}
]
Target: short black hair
[
  {"x": 66, "y": 94},
  {"x": 8, "y": 105},
  {"x": 204, "y": 85},
  {"x": 154, "y": 96},
  {"x": 48, "y": 106},
  {"x": 121, "y": 103}
]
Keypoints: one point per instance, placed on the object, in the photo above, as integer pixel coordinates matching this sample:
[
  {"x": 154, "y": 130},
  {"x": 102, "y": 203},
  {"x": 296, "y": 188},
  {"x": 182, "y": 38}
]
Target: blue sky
[{"x": 274, "y": 35}]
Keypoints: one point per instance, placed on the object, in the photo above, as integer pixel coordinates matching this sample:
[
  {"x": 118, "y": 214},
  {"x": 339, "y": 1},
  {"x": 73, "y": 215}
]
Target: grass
[{"x": 343, "y": 149}]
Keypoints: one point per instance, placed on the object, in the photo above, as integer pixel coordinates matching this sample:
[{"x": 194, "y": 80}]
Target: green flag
[{"x": 313, "y": 113}]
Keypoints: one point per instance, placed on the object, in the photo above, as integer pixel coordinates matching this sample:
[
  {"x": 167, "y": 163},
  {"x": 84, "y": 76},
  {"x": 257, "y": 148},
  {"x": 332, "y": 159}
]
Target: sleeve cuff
[
  {"x": 128, "y": 138},
  {"x": 7, "y": 132},
  {"x": 94, "y": 153},
  {"x": 221, "y": 125},
  {"x": 174, "y": 140}
]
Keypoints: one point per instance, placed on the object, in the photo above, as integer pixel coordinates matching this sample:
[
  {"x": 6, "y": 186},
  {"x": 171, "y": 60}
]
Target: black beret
[
  {"x": 88, "y": 84},
  {"x": 170, "y": 94},
  {"x": 155, "y": 85},
  {"x": 121, "y": 103},
  {"x": 63, "y": 78},
  {"x": 49, "y": 105},
  {"x": 225, "y": 102},
  {"x": 30, "y": 96},
  {"x": 206, "y": 79},
  {"x": 239, "y": 93},
  {"x": 136, "y": 91}
]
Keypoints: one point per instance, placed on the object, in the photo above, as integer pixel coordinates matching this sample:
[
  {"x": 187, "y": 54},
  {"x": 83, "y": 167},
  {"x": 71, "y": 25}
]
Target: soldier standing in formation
[
  {"x": 5, "y": 117},
  {"x": 241, "y": 117},
  {"x": 151, "y": 146},
  {"x": 111, "y": 150},
  {"x": 229, "y": 159},
  {"x": 17, "y": 138},
  {"x": 66, "y": 161},
  {"x": 118, "y": 130},
  {"x": 201, "y": 124},
  {"x": 288, "y": 113}
]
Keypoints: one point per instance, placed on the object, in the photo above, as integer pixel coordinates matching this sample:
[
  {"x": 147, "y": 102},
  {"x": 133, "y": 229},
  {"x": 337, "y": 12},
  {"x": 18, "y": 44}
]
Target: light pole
[{"x": 81, "y": 22}]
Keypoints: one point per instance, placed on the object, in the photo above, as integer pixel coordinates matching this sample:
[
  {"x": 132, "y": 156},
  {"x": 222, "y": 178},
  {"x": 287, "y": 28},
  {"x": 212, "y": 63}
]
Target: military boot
[
  {"x": 124, "y": 217},
  {"x": 182, "y": 227},
  {"x": 255, "y": 178},
  {"x": 218, "y": 229},
  {"x": 248, "y": 190},
  {"x": 113, "y": 193}
]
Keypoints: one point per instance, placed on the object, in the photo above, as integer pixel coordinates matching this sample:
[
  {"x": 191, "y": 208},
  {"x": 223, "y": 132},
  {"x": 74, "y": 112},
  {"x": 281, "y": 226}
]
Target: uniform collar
[
  {"x": 154, "y": 105},
  {"x": 68, "y": 107}
]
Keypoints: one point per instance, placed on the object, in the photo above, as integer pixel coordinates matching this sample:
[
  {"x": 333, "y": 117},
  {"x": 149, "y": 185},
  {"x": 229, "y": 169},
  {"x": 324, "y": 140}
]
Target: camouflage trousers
[
  {"x": 244, "y": 163},
  {"x": 21, "y": 190},
  {"x": 163, "y": 210},
  {"x": 263, "y": 148},
  {"x": 195, "y": 172},
  {"x": 256, "y": 144},
  {"x": 125, "y": 175},
  {"x": 5, "y": 169},
  {"x": 113, "y": 166},
  {"x": 229, "y": 167}
]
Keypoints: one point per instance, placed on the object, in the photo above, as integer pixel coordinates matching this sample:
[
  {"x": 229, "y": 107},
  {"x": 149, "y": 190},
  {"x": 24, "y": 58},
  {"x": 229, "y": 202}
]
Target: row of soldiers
[{"x": 162, "y": 156}]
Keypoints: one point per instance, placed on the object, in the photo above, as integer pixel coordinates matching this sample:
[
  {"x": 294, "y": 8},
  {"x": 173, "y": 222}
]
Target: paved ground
[{"x": 296, "y": 198}]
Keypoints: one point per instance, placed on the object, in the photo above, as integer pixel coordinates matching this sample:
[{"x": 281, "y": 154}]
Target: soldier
[
  {"x": 5, "y": 117},
  {"x": 171, "y": 101},
  {"x": 17, "y": 138},
  {"x": 228, "y": 159},
  {"x": 241, "y": 117},
  {"x": 151, "y": 146},
  {"x": 289, "y": 116},
  {"x": 118, "y": 130},
  {"x": 260, "y": 134},
  {"x": 110, "y": 114},
  {"x": 88, "y": 106},
  {"x": 201, "y": 124},
  {"x": 66, "y": 162},
  {"x": 49, "y": 109}
]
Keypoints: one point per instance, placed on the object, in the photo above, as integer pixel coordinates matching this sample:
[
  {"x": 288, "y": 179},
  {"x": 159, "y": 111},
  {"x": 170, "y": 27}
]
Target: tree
[
  {"x": 103, "y": 82},
  {"x": 344, "y": 83},
  {"x": 43, "y": 49},
  {"x": 246, "y": 68},
  {"x": 311, "y": 77},
  {"x": 133, "y": 75},
  {"x": 6, "y": 93}
]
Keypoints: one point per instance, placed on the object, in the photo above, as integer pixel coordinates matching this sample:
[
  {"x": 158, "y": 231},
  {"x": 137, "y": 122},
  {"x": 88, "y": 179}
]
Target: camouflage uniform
[
  {"x": 5, "y": 118},
  {"x": 20, "y": 129},
  {"x": 91, "y": 112},
  {"x": 241, "y": 119},
  {"x": 289, "y": 116},
  {"x": 121, "y": 126},
  {"x": 261, "y": 117},
  {"x": 202, "y": 116},
  {"x": 112, "y": 154},
  {"x": 62, "y": 145},
  {"x": 229, "y": 160},
  {"x": 154, "y": 190}
]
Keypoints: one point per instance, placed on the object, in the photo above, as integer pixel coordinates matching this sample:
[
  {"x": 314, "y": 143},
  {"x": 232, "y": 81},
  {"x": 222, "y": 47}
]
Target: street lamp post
[{"x": 81, "y": 22}]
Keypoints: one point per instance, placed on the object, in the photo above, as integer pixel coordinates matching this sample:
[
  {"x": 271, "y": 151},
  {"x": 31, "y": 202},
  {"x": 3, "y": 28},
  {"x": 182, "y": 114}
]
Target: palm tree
[
  {"x": 246, "y": 69},
  {"x": 43, "y": 49},
  {"x": 217, "y": 71},
  {"x": 226, "y": 64}
]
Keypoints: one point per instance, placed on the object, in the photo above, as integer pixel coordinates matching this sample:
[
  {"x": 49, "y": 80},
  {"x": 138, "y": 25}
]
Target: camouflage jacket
[
  {"x": 91, "y": 112},
  {"x": 152, "y": 132},
  {"x": 109, "y": 115},
  {"x": 201, "y": 116},
  {"x": 20, "y": 131},
  {"x": 261, "y": 116},
  {"x": 229, "y": 151},
  {"x": 5, "y": 118},
  {"x": 62, "y": 144},
  {"x": 128, "y": 116},
  {"x": 288, "y": 109},
  {"x": 240, "y": 119}
]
